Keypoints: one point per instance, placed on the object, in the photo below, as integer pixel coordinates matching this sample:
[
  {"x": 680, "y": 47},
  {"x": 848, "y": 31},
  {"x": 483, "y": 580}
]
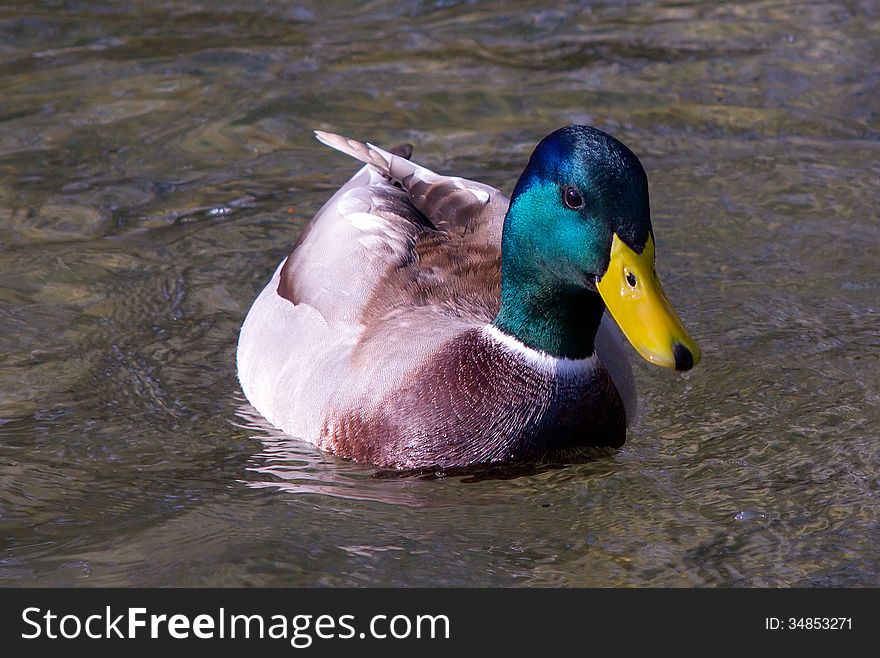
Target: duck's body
[{"x": 381, "y": 337}]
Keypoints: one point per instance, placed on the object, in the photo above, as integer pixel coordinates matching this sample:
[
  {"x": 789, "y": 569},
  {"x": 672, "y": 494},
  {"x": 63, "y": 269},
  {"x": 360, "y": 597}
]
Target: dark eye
[{"x": 572, "y": 198}]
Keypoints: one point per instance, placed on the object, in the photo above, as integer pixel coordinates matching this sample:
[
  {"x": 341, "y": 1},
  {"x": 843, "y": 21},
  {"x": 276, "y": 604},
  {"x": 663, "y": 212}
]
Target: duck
[{"x": 429, "y": 321}]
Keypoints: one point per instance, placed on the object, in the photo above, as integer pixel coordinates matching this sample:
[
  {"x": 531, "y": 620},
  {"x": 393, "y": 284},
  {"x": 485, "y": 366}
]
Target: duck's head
[{"x": 578, "y": 238}]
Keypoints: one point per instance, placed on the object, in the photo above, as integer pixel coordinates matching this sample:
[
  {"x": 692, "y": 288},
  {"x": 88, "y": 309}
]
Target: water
[{"x": 156, "y": 164}]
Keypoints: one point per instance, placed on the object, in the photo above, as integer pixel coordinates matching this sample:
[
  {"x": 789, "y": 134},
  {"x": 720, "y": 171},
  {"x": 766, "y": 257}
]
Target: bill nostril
[{"x": 684, "y": 360}]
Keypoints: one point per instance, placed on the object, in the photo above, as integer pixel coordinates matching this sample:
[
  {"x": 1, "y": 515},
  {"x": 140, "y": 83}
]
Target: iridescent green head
[{"x": 579, "y": 228}]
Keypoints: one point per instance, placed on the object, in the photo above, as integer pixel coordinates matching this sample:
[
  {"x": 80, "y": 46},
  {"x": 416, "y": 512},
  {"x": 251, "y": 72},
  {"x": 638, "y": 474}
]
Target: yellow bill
[{"x": 633, "y": 295}]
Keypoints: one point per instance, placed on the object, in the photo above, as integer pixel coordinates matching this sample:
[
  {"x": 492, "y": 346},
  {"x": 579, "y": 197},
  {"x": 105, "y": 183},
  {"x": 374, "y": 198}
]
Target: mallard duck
[{"x": 424, "y": 320}]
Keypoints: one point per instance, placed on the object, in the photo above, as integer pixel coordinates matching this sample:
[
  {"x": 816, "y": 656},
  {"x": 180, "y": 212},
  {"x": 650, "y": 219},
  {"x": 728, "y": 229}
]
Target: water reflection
[{"x": 296, "y": 467}]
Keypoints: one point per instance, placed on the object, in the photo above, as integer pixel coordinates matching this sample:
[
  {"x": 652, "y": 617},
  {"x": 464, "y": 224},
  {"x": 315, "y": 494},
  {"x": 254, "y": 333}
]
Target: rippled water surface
[{"x": 156, "y": 164}]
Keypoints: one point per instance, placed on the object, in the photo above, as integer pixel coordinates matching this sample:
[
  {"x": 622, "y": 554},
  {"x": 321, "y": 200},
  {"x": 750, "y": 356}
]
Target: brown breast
[{"x": 477, "y": 401}]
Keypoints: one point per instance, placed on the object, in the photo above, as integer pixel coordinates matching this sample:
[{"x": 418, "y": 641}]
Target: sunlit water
[{"x": 155, "y": 165}]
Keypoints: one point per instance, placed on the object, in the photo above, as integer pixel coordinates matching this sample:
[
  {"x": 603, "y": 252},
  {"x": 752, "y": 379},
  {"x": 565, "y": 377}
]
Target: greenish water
[{"x": 155, "y": 165}]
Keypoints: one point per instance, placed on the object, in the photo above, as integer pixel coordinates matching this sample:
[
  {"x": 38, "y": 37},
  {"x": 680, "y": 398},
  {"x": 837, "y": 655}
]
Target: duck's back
[{"x": 370, "y": 291}]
